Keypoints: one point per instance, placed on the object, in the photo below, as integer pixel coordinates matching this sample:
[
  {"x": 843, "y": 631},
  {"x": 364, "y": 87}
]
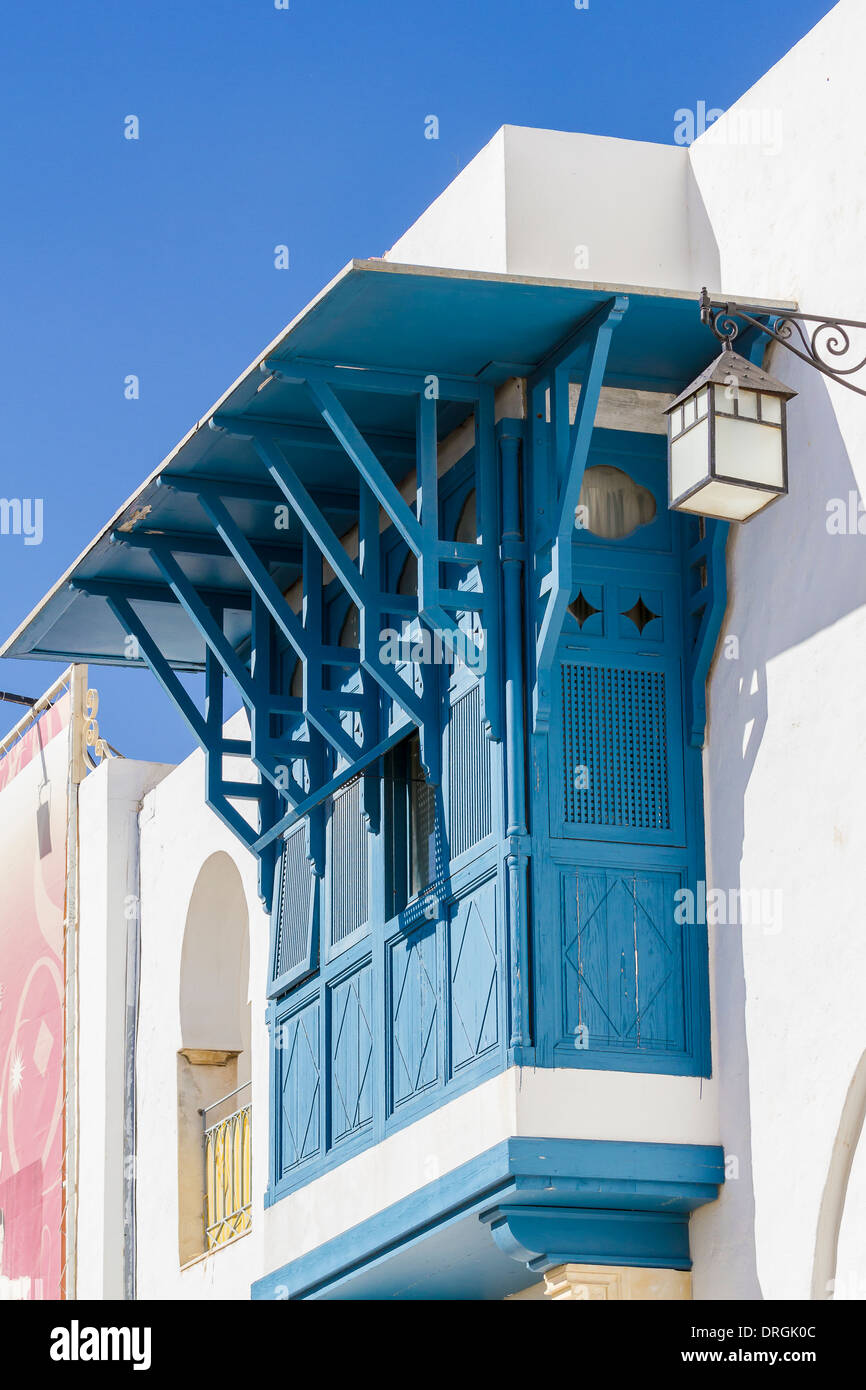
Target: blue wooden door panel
[
  {"x": 351, "y": 1053},
  {"x": 622, "y": 985},
  {"x": 473, "y": 969},
  {"x": 297, "y": 1050},
  {"x": 414, "y": 1014},
  {"x": 617, "y": 819}
]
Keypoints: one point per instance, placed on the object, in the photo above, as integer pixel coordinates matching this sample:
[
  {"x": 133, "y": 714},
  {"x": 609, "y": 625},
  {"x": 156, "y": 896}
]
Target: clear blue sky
[{"x": 259, "y": 126}]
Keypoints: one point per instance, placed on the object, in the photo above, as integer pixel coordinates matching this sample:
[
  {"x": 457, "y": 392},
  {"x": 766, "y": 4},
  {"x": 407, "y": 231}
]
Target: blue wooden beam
[
  {"x": 215, "y": 787},
  {"x": 329, "y": 499},
  {"x": 333, "y": 784},
  {"x": 133, "y": 626},
  {"x": 385, "y": 381},
  {"x": 337, "y": 418},
  {"x": 203, "y": 619},
  {"x": 314, "y": 521},
  {"x": 305, "y": 436},
  {"x": 573, "y": 449},
  {"x": 190, "y": 543},
  {"x": 201, "y": 726},
  {"x": 232, "y": 600},
  {"x": 566, "y": 353}
]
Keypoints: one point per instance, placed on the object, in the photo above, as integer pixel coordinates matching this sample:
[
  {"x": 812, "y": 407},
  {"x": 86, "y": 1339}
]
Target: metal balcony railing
[{"x": 227, "y": 1147}]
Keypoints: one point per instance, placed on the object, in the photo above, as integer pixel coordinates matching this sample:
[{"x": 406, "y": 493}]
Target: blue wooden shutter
[
  {"x": 620, "y": 729},
  {"x": 294, "y": 918},
  {"x": 623, "y": 960},
  {"x": 469, "y": 783},
  {"x": 348, "y": 867},
  {"x": 620, "y": 981}
]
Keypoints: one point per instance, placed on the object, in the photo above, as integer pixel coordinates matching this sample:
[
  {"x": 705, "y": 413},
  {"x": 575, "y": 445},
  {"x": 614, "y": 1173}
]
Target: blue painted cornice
[{"x": 544, "y": 1201}]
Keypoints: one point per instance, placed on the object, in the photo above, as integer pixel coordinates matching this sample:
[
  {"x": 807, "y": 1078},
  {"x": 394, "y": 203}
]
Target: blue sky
[{"x": 259, "y": 127}]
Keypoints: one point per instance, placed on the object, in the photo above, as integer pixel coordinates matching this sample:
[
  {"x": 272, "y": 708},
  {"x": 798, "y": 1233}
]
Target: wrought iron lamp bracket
[{"x": 823, "y": 338}]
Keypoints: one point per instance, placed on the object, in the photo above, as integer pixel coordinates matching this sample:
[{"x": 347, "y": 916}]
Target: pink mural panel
[{"x": 33, "y": 820}]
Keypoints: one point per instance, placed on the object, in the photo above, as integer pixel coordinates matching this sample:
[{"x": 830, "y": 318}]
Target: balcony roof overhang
[{"x": 374, "y": 315}]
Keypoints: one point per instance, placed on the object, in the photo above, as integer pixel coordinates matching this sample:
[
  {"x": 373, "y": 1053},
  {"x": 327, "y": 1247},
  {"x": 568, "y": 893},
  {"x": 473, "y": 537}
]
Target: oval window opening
[{"x": 612, "y": 505}]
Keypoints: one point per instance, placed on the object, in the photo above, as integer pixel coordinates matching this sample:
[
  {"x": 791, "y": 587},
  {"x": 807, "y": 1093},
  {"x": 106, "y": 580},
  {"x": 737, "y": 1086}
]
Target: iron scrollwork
[{"x": 822, "y": 338}]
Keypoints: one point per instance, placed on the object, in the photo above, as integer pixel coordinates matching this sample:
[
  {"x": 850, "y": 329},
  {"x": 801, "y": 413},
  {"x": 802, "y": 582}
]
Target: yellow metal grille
[{"x": 228, "y": 1178}]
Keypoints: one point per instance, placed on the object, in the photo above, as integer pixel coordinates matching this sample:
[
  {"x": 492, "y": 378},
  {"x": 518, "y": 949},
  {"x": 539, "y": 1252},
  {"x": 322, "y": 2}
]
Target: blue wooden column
[{"x": 510, "y": 434}]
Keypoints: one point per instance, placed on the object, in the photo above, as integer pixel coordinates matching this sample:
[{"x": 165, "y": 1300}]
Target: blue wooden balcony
[{"x": 468, "y": 864}]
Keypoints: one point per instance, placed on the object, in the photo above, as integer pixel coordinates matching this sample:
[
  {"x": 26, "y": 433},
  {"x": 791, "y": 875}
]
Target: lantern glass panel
[
  {"x": 690, "y": 458},
  {"x": 748, "y": 450},
  {"x": 729, "y": 501},
  {"x": 771, "y": 409},
  {"x": 747, "y": 405}
]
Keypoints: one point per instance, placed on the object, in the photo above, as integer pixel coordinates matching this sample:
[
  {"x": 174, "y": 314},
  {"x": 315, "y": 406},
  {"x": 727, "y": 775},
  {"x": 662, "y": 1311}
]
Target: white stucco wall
[
  {"x": 145, "y": 831},
  {"x": 109, "y": 801},
  {"x": 562, "y": 205},
  {"x": 179, "y": 834},
  {"x": 787, "y": 746},
  {"x": 464, "y": 227}
]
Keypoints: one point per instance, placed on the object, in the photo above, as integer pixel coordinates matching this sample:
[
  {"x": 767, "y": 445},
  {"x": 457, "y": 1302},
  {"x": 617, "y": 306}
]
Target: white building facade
[{"x": 754, "y": 1139}]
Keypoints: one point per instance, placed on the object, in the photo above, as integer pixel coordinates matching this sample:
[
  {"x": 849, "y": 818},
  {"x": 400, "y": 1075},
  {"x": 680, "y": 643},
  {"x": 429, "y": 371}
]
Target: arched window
[
  {"x": 612, "y": 505},
  {"x": 213, "y": 1064}
]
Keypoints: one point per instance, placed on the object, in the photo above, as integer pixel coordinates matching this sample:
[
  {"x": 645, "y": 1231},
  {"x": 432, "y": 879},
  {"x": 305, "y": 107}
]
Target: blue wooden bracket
[
  {"x": 340, "y": 727},
  {"x": 203, "y": 727},
  {"x": 437, "y": 605},
  {"x": 337, "y": 419},
  {"x": 571, "y": 449},
  {"x": 423, "y": 537},
  {"x": 542, "y": 1237}
]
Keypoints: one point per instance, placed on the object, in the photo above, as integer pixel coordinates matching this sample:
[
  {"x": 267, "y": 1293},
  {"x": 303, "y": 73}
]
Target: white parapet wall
[{"x": 562, "y": 205}]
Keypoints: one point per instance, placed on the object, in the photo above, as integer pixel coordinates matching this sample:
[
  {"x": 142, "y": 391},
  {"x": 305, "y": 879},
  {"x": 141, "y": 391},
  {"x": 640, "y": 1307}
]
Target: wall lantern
[
  {"x": 727, "y": 432},
  {"x": 726, "y": 441}
]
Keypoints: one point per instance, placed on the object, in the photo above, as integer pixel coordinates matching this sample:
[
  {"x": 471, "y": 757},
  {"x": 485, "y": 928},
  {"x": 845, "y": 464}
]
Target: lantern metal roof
[{"x": 749, "y": 377}]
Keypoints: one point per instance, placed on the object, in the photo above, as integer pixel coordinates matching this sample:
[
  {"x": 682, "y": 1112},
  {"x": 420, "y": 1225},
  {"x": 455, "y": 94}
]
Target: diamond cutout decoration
[
  {"x": 640, "y": 615},
  {"x": 581, "y": 609}
]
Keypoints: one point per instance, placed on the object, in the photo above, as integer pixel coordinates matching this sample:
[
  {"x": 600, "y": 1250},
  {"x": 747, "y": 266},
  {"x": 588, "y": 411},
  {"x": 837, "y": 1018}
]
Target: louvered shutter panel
[
  {"x": 293, "y": 935},
  {"x": 469, "y": 789},
  {"x": 614, "y": 725},
  {"x": 348, "y": 858}
]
